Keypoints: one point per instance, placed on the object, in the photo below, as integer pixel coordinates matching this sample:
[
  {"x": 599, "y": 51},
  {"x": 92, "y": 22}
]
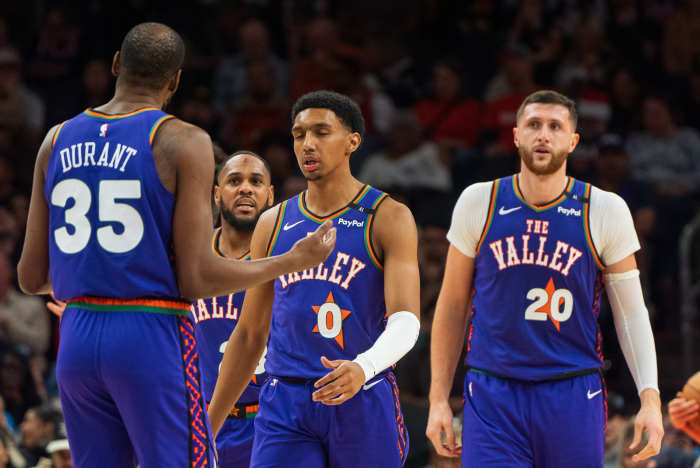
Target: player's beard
[
  {"x": 553, "y": 166},
  {"x": 246, "y": 225}
]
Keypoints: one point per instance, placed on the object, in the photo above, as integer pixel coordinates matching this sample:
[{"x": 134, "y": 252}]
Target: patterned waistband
[
  {"x": 244, "y": 411},
  {"x": 157, "y": 305}
]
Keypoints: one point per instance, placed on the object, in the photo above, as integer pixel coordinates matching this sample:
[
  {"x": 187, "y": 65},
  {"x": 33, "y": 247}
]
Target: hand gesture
[
  {"x": 339, "y": 385},
  {"x": 681, "y": 411},
  {"x": 648, "y": 419},
  {"x": 440, "y": 430},
  {"x": 56, "y": 307},
  {"x": 313, "y": 249}
]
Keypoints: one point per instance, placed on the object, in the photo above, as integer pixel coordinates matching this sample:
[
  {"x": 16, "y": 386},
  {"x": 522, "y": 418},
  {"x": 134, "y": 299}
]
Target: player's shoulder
[
  {"x": 175, "y": 132},
  {"x": 393, "y": 211},
  {"x": 606, "y": 200}
]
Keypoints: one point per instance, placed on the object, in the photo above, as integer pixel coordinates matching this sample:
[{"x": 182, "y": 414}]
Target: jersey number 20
[{"x": 109, "y": 211}]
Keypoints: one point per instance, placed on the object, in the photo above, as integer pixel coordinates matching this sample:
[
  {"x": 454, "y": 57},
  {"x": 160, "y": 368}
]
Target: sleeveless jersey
[
  {"x": 537, "y": 286},
  {"x": 215, "y": 319},
  {"x": 336, "y": 309},
  {"x": 110, "y": 216}
]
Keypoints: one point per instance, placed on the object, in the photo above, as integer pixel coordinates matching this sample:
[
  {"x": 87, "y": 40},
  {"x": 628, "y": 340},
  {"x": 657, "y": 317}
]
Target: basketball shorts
[
  {"x": 291, "y": 430},
  {"x": 130, "y": 387},
  {"x": 234, "y": 443},
  {"x": 511, "y": 423}
]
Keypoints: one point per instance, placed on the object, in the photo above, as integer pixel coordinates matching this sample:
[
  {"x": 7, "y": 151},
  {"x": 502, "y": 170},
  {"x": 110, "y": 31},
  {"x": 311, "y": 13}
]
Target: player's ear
[
  {"x": 217, "y": 195},
  {"x": 354, "y": 140},
  {"x": 175, "y": 81},
  {"x": 574, "y": 141},
  {"x": 271, "y": 195},
  {"x": 115, "y": 64},
  {"x": 515, "y": 137}
]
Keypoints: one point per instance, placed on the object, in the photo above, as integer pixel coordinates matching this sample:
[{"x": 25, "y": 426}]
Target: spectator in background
[
  {"x": 39, "y": 427},
  {"x": 593, "y": 116},
  {"x": 680, "y": 42},
  {"x": 24, "y": 322},
  {"x": 17, "y": 386},
  {"x": 196, "y": 109},
  {"x": 409, "y": 162},
  {"x": 10, "y": 456},
  {"x": 97, "y": 84},
  {"x": 259, "y": 112},
  {"x": 625, "y": 101},
  {"x": 449, "y": 117},
  {"x": 232, "y": 77},
  {"x": 60, "y": 453},
  {"x": 15, "y": 98},
  {"x": 664, "y": 154},
  {"x": 54, "y": 64},
  {"x": 275, "y": 147}
]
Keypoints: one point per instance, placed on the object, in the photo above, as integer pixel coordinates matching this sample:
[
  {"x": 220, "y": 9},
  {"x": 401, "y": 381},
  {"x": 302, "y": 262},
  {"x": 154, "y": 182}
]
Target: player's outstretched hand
[
  {"x": 340, "y": 384},
  {"x": 313, "y": 249},
  {"x": 440, "y": 430},
  {"x": 648, "y": 419},
  {"x": 680, "y": 411},
  {"x": 56, "y": 307}
]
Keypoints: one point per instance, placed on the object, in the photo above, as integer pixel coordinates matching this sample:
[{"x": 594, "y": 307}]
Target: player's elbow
[
  {"x": 29, "y": 279},
  {"x": 189, "y": 288}
]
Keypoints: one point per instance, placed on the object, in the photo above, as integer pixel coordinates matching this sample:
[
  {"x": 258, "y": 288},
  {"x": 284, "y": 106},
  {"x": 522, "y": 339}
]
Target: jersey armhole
[
  {"x": 489, "y": 216},
  {"x": 276, "y": 228},
  {"x": 587, "y": 228},
  {"x": 55, "y": 135},
  {"x": 371, "y": 251},
  {"x": 156, "y": 126}
]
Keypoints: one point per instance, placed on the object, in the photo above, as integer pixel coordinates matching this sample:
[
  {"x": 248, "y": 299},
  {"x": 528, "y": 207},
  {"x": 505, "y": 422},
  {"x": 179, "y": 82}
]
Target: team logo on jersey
[
  {"x": 103, "y": 130},
  {"x": 329, "y": 320}
]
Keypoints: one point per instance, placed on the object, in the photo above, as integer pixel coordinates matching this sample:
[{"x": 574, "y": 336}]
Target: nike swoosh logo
[
  {"x": 591, "y": 395},
  {"x": 368, "y": 386},
  {"x": 288, "y": 226},
  {"x": 503, "y": 210}
]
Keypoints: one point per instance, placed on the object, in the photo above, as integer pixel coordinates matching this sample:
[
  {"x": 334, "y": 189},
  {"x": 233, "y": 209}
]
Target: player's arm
[
  {"x": 33, "y": 267},
  {"x": 613, "y": 230},
  {"x": 247, "y": 342},
  {"x": 402, "y": 296},
  {"x": 449, "y": 327},
  {"x": 201, "y": 273}
]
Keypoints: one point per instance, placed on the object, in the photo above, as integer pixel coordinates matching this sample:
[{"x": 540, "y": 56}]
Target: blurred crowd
[{"x": 438, "y": 81}]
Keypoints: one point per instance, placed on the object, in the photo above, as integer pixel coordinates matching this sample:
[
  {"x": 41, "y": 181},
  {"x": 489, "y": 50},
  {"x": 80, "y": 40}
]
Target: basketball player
[
  {"x": 681, "y": 412},
  {"x": 243, "y": 191},
  {"x": 116, "y": 191},
  {"x": 330, "y": 400},
  {"x": 532, "y": 252}
]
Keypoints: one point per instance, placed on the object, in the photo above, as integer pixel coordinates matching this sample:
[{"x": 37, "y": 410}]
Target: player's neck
[
  {"x": 129, "y": 98},
  {"x": 234, "y": 243},
  {"x": 540, "y": 189},
  {"x": 332, "y": 192}
]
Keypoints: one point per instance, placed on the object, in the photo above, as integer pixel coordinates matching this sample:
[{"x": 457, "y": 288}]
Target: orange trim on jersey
[
  {"x": 101, "y": 115},
  {"x": 489, "y": 218},
  {"x": 313, "y": 217},
  {"x": 276, "y": 228},
  {"x": 587, "y": 228},
  {"x": 549, "y": 205},
  {"x": 58, "y": 130},
  {"x": 214, "y": 239},
  {"x": 368, "y": 228},
  {"x": 156, "y": 125}
]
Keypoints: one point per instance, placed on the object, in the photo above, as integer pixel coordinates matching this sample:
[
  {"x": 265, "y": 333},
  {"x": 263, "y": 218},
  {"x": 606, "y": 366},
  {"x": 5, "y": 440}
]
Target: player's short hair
[
  {"x": 151, "y": 54},
  {"x": 347, "y": 110},
  {"x": 548, "y": 96},
  {"x": 239, "y": 153}
]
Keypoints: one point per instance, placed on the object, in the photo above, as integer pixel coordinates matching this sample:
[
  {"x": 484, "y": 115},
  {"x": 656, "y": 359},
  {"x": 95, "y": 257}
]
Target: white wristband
[{"x": 395, "y": 341}]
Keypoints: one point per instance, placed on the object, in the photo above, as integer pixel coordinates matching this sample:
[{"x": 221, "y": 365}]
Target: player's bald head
[
  {"x": 239, "y": 155},
  {"x": 150, "y": 55}
]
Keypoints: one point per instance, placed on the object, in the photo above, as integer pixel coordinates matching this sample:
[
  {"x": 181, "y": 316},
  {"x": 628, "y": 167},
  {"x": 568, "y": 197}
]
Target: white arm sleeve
[
  {"x": 469, "y": 217},
  {"x": 395, "y": 341},
  {"x": 633, "y": 328},
  {"x": 612, "y": 227}
]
